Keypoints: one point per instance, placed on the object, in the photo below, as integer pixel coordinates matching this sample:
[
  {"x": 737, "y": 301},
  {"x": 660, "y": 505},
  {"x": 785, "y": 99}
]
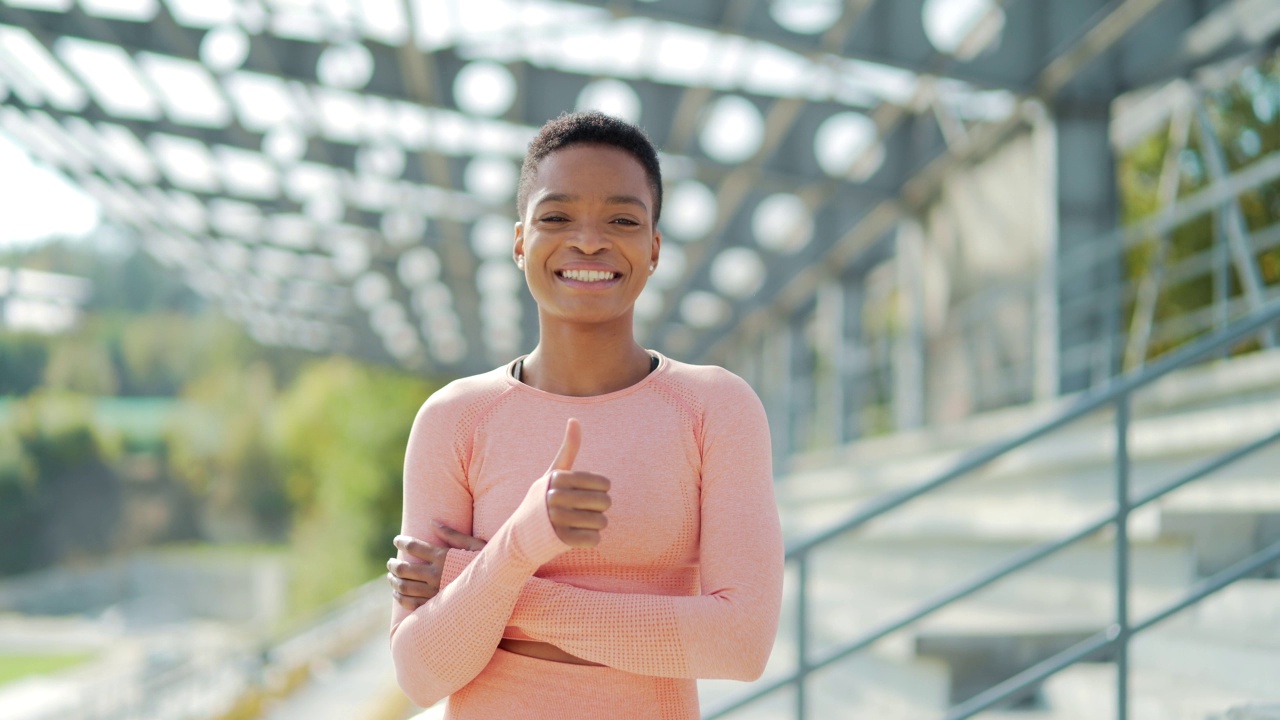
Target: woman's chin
[{"x": 590, "y": 316}]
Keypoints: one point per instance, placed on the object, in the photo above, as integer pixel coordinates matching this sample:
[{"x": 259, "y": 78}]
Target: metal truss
[{"x": 934, "y": 113}]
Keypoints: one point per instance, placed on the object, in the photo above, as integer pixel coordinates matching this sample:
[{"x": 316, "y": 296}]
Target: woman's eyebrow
[
  {"x": 611, "y": 200},
  {"x": 626, "y": 200}
]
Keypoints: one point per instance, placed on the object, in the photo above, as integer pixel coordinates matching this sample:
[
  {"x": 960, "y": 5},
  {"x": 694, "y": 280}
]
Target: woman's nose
[{"x": 590, "y": 240}]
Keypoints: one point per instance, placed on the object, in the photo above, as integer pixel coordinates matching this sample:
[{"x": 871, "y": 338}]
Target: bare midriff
[{"x": 542, "y": 651}]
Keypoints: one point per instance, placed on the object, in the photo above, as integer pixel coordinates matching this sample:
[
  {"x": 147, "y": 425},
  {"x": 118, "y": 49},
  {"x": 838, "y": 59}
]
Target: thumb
[{"x": 569, "y": 448}]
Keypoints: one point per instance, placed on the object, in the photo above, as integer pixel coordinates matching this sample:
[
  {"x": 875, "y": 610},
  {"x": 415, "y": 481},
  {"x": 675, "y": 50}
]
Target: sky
[{"x": 37, "y": 203}]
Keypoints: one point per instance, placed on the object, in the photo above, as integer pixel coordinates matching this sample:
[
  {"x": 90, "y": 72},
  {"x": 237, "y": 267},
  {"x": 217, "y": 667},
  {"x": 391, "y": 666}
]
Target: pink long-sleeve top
[{"x": 687, "y": 579}]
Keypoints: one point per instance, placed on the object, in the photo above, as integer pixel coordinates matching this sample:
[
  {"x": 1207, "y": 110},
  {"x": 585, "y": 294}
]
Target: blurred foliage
[
  {"x": 22, "y": 361},
  {"x": 18, "y": 488},
  {"x": 62, "y": 499},
  {"x": 243, "y": 444},
  {"x": 153, "y": 364},
  {"x": 1246, "y": 120},
  {"x": 342, "y": 430},
  {"x": 219, "y": 448},
  {"x": 81, "y": 364}
]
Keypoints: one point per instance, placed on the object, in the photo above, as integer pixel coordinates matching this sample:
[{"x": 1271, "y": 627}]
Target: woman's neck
[{"x": 583, "y": 361}]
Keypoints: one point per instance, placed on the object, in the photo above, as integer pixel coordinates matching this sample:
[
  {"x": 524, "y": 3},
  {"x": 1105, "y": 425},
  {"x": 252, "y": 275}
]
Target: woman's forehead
[{"x": 582, "y": 172}]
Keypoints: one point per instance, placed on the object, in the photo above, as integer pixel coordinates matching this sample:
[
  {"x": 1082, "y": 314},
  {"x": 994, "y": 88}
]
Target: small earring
[
  {"x": 520, "y": 262},
  {"x": 653, "y": 266}
]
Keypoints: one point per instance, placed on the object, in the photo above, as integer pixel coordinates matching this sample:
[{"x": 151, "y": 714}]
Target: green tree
[
  {"x": 62, "y": 496},
  {"x": 80, "y": 363},
  {"x": 342, "y": 429},
  {"x": 23, "y": 357},
  {"x": 18, "y": 518},
  {"x": 1245, "y": 118},
  {"x": 220, "y": 448},
  {"x": 160, "y": 352}
]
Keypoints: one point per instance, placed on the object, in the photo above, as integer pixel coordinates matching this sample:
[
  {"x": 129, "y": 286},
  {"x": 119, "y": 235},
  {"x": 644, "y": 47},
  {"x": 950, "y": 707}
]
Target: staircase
[{"x": 1217, "y": 659}]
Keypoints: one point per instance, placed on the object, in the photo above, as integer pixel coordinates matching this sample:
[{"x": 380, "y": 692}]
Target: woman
[{"x": 648, "y": 553}]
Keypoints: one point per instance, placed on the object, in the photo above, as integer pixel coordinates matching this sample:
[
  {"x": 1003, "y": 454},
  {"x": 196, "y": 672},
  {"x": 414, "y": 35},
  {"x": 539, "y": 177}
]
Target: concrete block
[
  {"x": 1252, "y": 712},
  {"x": 979, "y": 661},
  {"x": 1221, "y": 538}
]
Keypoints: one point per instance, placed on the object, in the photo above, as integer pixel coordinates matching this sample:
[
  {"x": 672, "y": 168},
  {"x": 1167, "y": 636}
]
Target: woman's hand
[
  {"x": 413, "y": 582},
  {"x": 576, "y": 500}
]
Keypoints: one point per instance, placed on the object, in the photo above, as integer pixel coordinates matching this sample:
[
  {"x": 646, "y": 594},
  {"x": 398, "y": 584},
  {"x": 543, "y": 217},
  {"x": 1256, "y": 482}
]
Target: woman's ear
[
  {"x": 517, "y": 252},
  {"x": 657, "y": 249}
]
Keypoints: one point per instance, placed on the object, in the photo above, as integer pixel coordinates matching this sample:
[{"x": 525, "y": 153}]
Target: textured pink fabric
[
  {"x": 515, "y": 687},
  {"x": 686, "y": 582}
]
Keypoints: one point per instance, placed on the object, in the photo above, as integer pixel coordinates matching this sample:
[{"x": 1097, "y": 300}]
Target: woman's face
[{"x": 587, "y": 241}]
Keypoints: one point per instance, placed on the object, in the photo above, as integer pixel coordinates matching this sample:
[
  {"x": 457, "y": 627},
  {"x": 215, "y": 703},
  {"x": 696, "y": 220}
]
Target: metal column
[{"x": 1089, "y": 294}]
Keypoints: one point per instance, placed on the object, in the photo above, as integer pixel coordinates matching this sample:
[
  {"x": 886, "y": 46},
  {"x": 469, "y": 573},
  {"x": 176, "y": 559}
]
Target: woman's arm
[
  {"x": 447, "y": 641},
  {"x": 725, "y": 632}
]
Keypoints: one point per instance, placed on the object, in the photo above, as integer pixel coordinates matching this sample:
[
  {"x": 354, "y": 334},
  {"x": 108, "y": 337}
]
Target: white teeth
[{"x": 587, "y": 275}]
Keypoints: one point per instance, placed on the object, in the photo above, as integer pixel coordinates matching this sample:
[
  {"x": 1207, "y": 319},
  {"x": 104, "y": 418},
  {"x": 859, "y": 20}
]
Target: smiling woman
[{"x": 648, "y": 553}]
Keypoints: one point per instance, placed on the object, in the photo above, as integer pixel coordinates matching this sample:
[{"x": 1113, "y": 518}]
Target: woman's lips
[{"x": 588, "y": 279}]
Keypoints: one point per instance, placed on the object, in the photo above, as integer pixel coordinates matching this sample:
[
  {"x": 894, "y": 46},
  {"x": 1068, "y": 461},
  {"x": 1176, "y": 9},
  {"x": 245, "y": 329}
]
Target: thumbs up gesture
[{"x": 576, "y": 500}]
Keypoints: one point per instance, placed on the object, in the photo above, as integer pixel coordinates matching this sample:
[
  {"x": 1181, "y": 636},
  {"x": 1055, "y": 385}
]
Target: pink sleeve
[
  {"x": 447, "y": 641},
  {"x": 729, "y": 629}
]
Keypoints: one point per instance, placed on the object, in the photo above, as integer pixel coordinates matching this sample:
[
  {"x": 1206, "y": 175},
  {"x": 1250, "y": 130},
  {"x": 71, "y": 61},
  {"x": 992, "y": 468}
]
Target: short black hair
[{"x": 590, "y": 128}]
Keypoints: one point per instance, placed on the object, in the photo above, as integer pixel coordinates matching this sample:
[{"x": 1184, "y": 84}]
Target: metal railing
[
  {"x": 186, "y": 681},
  {"x": 1112, "y": 641}
]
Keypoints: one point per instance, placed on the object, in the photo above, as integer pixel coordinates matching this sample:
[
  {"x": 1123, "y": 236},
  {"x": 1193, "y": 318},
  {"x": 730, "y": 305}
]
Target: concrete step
[
  {"x": 873, "y": 684},
  {"x": 857, "y": 582},
  {"x": 1252, "y": 669},
  {"x": 1251, "y": 711},
  {"x": 1245, "y": 610},
  {"x": 1248, "y": 379},
  {"x": 1079, "y": 463},
  {"x": 1214, "y": 384},
  {"x": 1215, "y": 529},
  {"x": 1231, "y": 641},
  {"x": 1088, "y": 692},
  {"x": 918, "y": 672},
  {"x": 1168, "y": 437}
]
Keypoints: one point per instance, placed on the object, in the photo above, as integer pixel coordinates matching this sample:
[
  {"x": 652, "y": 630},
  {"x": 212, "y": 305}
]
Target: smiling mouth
[{"x": 588, "y": 275}]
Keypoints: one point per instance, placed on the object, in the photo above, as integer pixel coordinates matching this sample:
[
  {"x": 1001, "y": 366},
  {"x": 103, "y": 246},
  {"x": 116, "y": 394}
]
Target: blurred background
[{"x": 1028, "y": 245}]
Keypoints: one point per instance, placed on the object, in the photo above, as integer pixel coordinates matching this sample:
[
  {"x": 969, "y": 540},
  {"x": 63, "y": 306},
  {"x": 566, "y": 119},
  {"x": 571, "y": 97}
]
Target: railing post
[
  {"x": 1123, "y": 502},
  {"x": 802, "y": 635}
]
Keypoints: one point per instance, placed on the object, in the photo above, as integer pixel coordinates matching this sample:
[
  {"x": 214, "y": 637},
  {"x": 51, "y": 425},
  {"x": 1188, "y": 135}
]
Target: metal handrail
[{"x": 1114, "y": 639}]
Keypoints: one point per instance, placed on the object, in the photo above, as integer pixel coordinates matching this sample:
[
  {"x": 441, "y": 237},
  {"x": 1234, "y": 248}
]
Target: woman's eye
[
  {"x": 626, "y": 221},
  {"x": 553, "y": 218}
]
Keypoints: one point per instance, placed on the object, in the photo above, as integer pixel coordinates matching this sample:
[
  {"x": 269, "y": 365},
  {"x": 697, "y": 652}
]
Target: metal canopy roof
[{"x": 339, "y": 174}]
